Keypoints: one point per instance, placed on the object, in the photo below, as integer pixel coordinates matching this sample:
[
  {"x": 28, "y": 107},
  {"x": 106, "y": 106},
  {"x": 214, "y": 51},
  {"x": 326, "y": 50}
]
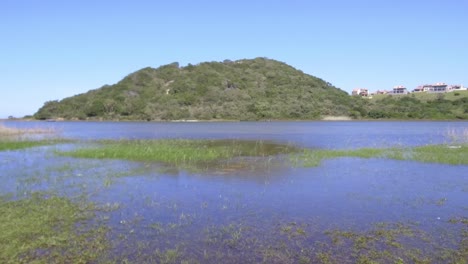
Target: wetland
[{"x": 253, "y": 192}]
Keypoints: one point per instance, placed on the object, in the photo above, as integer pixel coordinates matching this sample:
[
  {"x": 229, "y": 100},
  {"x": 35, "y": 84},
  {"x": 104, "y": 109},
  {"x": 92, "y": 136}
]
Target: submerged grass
[
  {"x": 454, "y": 155},
  {"x": 43, "y": 229},
  {"x": 392, "y": 243}
]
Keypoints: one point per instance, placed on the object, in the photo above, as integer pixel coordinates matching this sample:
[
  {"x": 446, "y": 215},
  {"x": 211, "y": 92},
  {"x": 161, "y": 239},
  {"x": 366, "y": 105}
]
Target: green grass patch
[
  {"x": 187, "y": 153},
  {"x": 15, "y": 144},
  {"x": 441, "y": 154},
  {"x": 455, "y": 155},
  {"x": 46, "y": 230},
  {"x": 179, "y": 151},
  {"x": 21, "y": 144}
]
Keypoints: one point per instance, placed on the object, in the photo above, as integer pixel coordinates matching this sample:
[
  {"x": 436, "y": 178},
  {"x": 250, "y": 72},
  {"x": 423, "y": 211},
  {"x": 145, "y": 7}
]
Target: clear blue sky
[{"x": 54, "y": 49}]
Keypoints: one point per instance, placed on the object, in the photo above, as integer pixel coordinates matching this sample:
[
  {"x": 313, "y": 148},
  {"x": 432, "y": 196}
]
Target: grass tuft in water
[
  {"x": 179, "y": 152},
  {"x": 455, "y": 155},
  {"x": 22, "y": 144}
]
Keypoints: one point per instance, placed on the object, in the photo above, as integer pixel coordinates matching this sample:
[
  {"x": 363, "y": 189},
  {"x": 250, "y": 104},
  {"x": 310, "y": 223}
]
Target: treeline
[{"x": 257, "y": 89}]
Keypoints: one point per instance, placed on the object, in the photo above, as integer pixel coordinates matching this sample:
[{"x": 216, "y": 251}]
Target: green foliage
[{"x": 241, "y": 90}]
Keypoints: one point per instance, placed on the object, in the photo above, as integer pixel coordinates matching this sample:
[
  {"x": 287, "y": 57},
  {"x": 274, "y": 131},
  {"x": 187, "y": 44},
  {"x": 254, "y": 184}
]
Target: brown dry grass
[{"x": 11, "y": 131}]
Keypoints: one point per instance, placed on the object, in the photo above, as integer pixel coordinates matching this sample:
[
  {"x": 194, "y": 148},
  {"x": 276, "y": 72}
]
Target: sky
[{"x": 53, "y": 49}]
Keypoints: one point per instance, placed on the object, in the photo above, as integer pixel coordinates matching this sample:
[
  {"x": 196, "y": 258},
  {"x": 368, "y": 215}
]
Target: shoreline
[{"x": 325, "y": 119}]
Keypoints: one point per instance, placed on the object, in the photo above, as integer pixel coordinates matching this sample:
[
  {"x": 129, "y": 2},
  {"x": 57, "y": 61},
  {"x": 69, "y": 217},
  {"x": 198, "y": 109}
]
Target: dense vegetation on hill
[
  {"x": 453, "y": 105},
  {"x": 239, "y": 90},
  {"x": 256, "y": 89}
]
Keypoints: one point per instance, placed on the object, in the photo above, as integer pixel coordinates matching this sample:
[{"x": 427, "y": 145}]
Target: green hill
[
  {"x": 231, "y": 90},
  {"x": 256, "y": 89}
]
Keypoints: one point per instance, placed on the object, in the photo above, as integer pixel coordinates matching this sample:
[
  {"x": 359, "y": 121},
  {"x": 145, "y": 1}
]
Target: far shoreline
[{"x": 324, "y": 119}]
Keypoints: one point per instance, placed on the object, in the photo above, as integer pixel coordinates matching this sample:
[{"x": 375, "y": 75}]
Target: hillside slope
[{"x": 255, "y": 89}]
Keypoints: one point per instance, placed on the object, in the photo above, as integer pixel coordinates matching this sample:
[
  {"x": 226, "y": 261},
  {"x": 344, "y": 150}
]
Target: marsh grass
[
  {"x": 10, "y": 131},
  {"x": 180, "y": 152},
  {"x": 17, "y": 138},
  {"x": 22, "y": 144},
  {"x": 442, "y": 154},
  {"x": 457, "y": 136},
  {"x": 430, "y": 154},
  {"x": 204, "y": 154},
  {"x": 392, "y": 243},
  {"x": 46, "y": 229}
]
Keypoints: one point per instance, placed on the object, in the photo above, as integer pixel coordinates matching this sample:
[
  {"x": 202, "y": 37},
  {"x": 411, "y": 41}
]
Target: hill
[{"x": 255, "y": 89}]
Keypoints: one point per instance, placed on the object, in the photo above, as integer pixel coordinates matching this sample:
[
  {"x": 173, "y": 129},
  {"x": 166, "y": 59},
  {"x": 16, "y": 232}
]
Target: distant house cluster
[{"x": 400, "y": 89}]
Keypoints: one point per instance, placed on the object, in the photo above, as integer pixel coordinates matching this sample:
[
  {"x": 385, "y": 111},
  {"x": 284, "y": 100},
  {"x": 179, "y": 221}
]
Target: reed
[
  {"x": 457, "y": 136},
  {"x": 11, "y": 131}
]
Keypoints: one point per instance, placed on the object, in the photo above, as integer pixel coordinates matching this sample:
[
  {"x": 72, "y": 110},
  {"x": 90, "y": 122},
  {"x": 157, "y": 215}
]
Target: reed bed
[
  {"x": 11, "y": 131},
  {"x": 20, "y": 138},
  {"x": 457, "y": 136}
]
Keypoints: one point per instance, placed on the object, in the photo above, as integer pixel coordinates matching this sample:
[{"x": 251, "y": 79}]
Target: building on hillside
[
  {"x": 439, "y": 88},
  {"x": 456, "y": 87},
  {"x": 400, "y": 89},
  {"x": 427, "y": 88},
  {"x": 360, "y": 92},
  {"x": 419, "y": 89}
]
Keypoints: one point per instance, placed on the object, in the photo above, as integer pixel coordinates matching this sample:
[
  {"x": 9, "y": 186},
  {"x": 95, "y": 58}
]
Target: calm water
[
  {"x": 306, "y": 134},
  {"x": 254, "y": 215}
]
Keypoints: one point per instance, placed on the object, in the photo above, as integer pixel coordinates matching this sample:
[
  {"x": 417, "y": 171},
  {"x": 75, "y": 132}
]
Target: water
[
  {"x": 275, "y": 214},
  {"x": 307, "y": 134}
]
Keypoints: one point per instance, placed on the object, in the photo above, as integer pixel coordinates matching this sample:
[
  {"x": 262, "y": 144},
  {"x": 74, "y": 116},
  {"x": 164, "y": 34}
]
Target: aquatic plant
[
  {"x": 20, "y": 138},
  {"x": 20, "y": 144},
  {"x": 457, "y": 136},
  {"x": 47, "y": 230},
  {"x": 431, "y": 154},
  {"x": 179, "y": 152},
  {"x": 391, "y": 243}
]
